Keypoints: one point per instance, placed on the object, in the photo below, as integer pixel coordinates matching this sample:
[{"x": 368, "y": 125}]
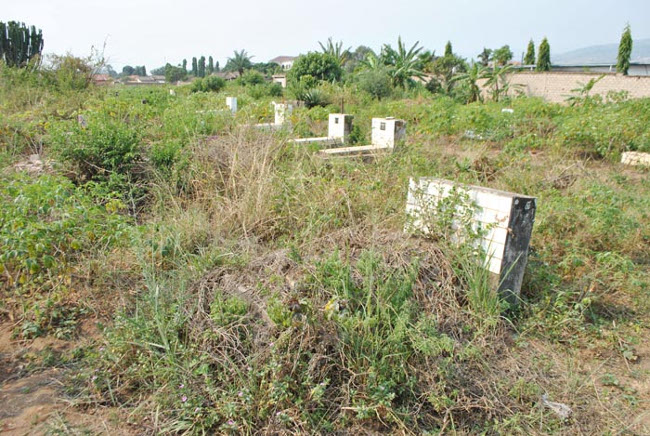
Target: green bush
[
  {"x": 251, "y": 77},
  {"x": 47, "y": 226},
  {"x": 376, "y": 82},
  {"x": 319, "y": 66},
  {"x": 105, "y": 150},
  {"x": 208, "y": 84}
]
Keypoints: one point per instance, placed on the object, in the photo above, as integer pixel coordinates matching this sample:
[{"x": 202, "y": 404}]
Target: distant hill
[{"x": 603, "y": 54}]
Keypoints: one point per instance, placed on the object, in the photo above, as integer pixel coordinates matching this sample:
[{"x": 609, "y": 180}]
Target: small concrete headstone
[
  {"x": 339, "y": 127},
  {"x": 172, "y": 92},
  {"x": 231, "y": 102},
  {"x": 386, "y": 132},
  {"x": 504, "y": 221},
  {"x": 282, "y": 110}
]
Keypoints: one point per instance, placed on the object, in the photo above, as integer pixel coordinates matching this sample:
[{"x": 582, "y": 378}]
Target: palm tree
[
  {"x": 405, "y": 64},
  {"x": 497, "y": 80},
  {"x": 336, "y": 50},
  {"x": 371, "y": 62},
  {"x": 471, "y": 78},
  {"x": 240, "y": 61}
]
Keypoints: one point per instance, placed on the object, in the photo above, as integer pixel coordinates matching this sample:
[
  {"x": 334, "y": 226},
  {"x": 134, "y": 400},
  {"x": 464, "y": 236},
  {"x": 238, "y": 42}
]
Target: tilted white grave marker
[
  {"x": 636, "y": 158},
  {"x": 386, "y": 133},
  {"x": 338, "y": 130},
  {"x": 504, "y": 221},
  {"x": 282, "y": 110},
  {"x": 231, "y": 102}
]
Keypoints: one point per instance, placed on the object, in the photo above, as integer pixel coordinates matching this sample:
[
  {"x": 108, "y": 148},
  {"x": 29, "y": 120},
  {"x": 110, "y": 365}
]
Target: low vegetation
[{"x": 241, "y": 285}]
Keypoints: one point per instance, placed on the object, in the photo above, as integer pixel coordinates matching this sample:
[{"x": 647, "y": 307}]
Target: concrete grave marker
[
  {"x": 282, "y": 110},
  {"x": 338, "y": 130},
  {"x": 386, "y": 133},
  {"x": 503, "y": 219},
  {"x": 231, "y": 102},
  {"x": 636, "y": 158}
]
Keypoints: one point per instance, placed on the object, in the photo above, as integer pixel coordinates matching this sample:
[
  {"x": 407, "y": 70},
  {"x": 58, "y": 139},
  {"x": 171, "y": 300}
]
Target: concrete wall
[{"x": 556, "y": 87}]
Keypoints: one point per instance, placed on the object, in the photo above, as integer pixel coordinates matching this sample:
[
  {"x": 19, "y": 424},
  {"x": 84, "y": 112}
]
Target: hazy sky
[{"x": 153, "y": 32}]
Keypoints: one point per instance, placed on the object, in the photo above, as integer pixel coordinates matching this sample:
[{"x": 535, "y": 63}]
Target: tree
[
  {"x": 185, "y": 65},
  {"x": 160, "y": 71},
  {"x": 140, "y": 70},
  {"x": 195, "y": 67},
  {"x": 336, "y": 50},
  {"x": 497, "y": 80},
  {"x": 174, "y": 74},
  {"x": 240, "y": 62},
  {"x": 544, "y": 56},
  {"x": 318, "y": 66},
  {"x": 448, "y": 49},
  {"x": 376, "y": 82},
  {"x": 502, "y": 55},
  {"x": 202, "y": 67},
  {"x": 485, "y": 56},
  {"x": 470, "y": 81},
  {"x": 128, "y": 70},
  {"x": 216, "y": 67},
  {"x": 624, "y": 51},
  {"x": 445, "y": 68},
  {"x": 529, "y": 59},
  {"x": 403, "y": 64},
  {"x": 19, "y": 44},
  {"x": 210, "y": 65}
]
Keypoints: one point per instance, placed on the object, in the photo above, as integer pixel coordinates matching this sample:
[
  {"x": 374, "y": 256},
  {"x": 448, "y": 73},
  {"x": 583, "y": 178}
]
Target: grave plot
[
  {"x": 282, "y": 111},
  {"x": 338, "y": 131},
  {"x": 636, "y": 158},
  {"x": 386, "y": 133},
  {"x": 231, "y": 103},
  {"x": 502, "y": 223}
]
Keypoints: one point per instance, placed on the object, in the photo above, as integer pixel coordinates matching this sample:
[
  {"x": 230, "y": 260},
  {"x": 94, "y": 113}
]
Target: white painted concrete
[
  {"x": 385, "y": 134},
  {"x": 387, "y": 131},
  {"x": 338, "y": 130},
  {"x": 231, "y": 102},
  {"x": 636, "y": 158}
]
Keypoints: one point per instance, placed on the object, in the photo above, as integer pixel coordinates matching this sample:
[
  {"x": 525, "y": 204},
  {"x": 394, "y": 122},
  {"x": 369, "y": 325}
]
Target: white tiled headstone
[{"x": 505, "y": 220}]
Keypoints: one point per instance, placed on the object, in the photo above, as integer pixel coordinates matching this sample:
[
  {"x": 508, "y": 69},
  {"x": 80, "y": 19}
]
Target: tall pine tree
[
  {"x": 202, "y": 66},
  {"x": 185, "y": 65},
  {"x": 544, "y": 56},
  {"x": 210, "y": 65},
  {"x": 624, "y": 51},
  {"x": 529, "y": 59},
  {"x": 195, "y": 67},
  {"x": 448, "y": 50}
]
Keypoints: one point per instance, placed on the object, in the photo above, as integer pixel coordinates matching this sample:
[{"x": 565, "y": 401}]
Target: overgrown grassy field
[{"x": 211, "y": 278}]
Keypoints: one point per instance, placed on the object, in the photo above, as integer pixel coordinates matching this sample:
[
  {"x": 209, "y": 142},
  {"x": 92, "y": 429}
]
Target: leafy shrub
[
  {"x": 46, "y": 225},
  {"x": 208, "y": 84},
  {"x": 376, "y": 82},
  {"x": 251, "y": 77},
  {"x": 314, "y": 97},
  {"x": 107, "y": 149}
]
